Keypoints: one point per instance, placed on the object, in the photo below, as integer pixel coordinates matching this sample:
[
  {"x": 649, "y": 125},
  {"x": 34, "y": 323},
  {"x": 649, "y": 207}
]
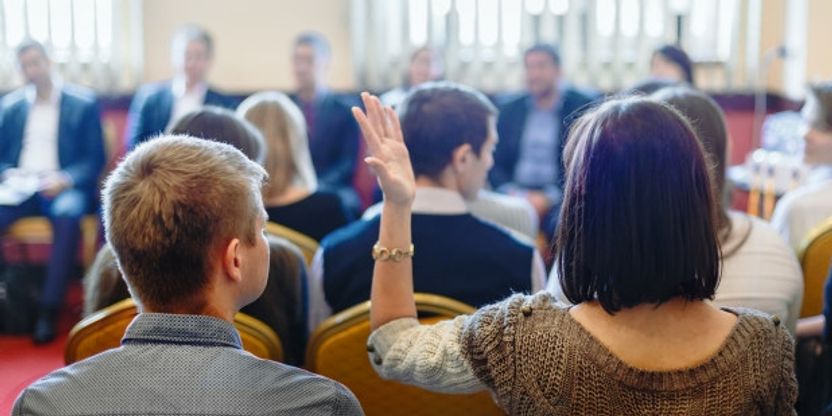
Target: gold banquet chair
[
  {"x": 38, "y": 230},
  {"x": 815, "y": 258},
  {"x": 338, "y": 350},
  {"x": 307, "y": 245},
  {"x": 104, "y": 329}
]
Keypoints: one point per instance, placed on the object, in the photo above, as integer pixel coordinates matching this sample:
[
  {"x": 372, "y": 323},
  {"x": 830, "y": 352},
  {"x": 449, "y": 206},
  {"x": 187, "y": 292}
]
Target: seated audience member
[
  {"x": 333, "y": 134},
  {"x": 291, "y": 196},
  {"x": 281, "y": 306},
  {"x": 449, "y": 132},
  {"x": 808, "y": 206},
  {"x": 671, "y": 63},
  {"x": 759, "y": 270},
  {"x": 223, "y": 126},
  {"x": 516, "y": 214},
  {"x": 532, "y": 130},
  {"x": 157, "y": 106},
  {"x": 51, "y": 149},
  {"x": 426, "y": 64},
  {"x": 640, "y": 339},
  {"x": 185, "y": 219}
]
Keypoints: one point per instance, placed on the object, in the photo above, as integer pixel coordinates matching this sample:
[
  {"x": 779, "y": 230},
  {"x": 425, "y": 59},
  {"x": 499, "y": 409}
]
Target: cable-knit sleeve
[
  {"x": 787, "y": 389},
  {"x": 488, "y": 343},
  {"x": 428, "y": 356}
]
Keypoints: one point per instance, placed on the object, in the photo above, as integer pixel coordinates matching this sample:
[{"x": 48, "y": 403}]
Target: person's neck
[
  {"x": 651, "y": 314},
  {"x": 308, "y": 93},
  {"x": 192, "y": 84},
  {"x": 547, "y": 99},
  {"x": 444, "y": 181},
  {"x": 43, "y": 89}
]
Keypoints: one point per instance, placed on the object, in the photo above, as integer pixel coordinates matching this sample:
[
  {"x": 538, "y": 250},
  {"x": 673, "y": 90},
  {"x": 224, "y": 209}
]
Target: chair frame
[
  {"x": 824, "y": 230},
  {"x": 247, "y": 325},
  {"x": 307, "y": 245}
]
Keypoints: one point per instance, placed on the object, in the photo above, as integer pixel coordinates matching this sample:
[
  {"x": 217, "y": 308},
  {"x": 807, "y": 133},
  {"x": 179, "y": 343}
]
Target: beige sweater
[{"x": 537, "y": 360}]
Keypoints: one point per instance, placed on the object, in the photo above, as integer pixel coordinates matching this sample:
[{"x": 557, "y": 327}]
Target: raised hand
[{"x": 387, "y": 154}]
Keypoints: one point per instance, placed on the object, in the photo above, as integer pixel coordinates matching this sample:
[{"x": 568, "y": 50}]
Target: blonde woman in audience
[
  {"x": 639, "y": 254},
  {"x": 291, "y": 196},
  {"x": 759, "y": 270},
  {"x": 803, "y": 209}
]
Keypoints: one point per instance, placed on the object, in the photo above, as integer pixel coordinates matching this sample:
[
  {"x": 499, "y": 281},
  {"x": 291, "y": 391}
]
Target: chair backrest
[
  {"x": 815, "y": 259},
  {"x": 307, "y": 245},
  {"x": 104, "y": 329},
  {"x": 338, "y": 350},
  {"x": 38, "y": 230}
]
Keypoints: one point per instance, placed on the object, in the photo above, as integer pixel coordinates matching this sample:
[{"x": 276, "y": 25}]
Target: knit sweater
[{"x": 537, "y": 360}]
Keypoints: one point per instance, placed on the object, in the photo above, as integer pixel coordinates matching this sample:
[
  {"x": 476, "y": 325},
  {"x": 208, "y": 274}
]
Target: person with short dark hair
[
  {"x": 638, "y": 254},
  {"x": 333, "y": 134},
  {"x": 185, "y": 219},
  {"x": 671, "y": 63},
  {"x": 222, "y": 125},
  {"x": 759, "y": 270},
  {"x": 533, "y": 129},
  {"x": 426, "y": 64},
  {"x": 158, "y": 106},
  {"x": 450, "y": 135},
  {"x": 52, "y": 151}
]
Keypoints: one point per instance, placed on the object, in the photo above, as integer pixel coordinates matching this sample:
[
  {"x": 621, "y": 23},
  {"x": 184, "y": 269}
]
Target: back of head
[
  {"x": 281, "y": 122},
  {"x": 819, "y": 103},
  {"x": 169, "y": 206},
  {"x": 221, "y": 125},
  {"x": 707, "y": 119},
  {"x": 678, "y": 56},
  {"x": 438, "y": 117},
  {"x": 638, "y": 221}
]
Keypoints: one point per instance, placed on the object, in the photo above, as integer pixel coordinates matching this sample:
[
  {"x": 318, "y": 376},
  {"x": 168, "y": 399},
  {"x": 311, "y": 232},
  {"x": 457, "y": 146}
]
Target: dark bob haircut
[
  {"x": 437, "y": 118},
  {"x": 221, "y": 125},
  {"x": 679, "y": 57},
  {"x": 638, "y": 224}
]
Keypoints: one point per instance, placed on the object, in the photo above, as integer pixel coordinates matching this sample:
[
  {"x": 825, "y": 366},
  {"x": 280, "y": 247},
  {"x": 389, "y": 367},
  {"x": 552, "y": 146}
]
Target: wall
[
  {"x": 819, "y": 59},
  {"x": 253, "y": 38}
]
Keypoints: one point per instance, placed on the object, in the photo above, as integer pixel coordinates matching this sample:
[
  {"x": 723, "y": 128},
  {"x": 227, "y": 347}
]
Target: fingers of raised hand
[
  {"x": 395, "y": 125},
  {"x": 370, "y": 136}
]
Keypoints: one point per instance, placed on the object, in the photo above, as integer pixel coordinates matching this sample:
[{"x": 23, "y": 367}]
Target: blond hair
[
  {"x": 288, "y": 161},
  {"x": 172, "y": 202}
]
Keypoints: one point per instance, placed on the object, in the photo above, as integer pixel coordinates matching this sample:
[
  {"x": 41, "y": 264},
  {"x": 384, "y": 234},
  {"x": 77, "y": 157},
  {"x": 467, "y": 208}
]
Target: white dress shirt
[
  {"x": 184, "y": 100},
  {"x": 804, "y": 208},
  {"x": 39, "y": 153}
]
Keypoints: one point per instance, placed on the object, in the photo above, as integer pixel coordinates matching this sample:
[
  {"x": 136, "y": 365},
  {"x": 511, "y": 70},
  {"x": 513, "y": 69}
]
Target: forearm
[
  {"x": 392, "y": 289},
  {"x": 810, "y": 327},
  {"x": 428, "y": 356}
]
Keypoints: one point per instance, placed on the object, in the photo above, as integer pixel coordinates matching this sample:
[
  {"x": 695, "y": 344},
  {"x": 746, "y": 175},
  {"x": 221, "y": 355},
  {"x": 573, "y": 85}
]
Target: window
[
  {"x": 82, "y": 37},
  {"x": 604, "y": 43}
]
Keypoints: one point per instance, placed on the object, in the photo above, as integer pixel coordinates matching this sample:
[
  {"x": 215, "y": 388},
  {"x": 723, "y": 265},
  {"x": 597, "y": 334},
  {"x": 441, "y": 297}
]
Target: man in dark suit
[
  {"x": 157, "y": 106},
  {"x": 533, "y": 129},
  {"x": 50, "y": 137},
  {"x": 333, "y": 133}
]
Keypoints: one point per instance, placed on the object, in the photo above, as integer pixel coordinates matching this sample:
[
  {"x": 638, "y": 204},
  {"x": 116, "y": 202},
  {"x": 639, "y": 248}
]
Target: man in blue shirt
[
  {"x": 532, "y": 128},
  {"x": 185, "y": 219}
]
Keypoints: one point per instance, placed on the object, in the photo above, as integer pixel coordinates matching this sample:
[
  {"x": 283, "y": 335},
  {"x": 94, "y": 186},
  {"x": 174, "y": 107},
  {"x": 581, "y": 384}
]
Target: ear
[
  {"x": 462, "y": 158},
  {"x": 231, "y": 261}
]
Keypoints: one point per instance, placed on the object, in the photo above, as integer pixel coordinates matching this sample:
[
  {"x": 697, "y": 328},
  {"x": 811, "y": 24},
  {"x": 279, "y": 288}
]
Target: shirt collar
[
  {"x": 556, "y": 106},
  {"x": 168, "y": 328},
  {"x": 179, "y": 84},
  {"x": 438, "y": 201},
  {"x": 31, "y": 93}
]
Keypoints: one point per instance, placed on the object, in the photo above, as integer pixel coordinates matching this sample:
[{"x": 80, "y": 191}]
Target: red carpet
[{"x": 22, "y": 362}]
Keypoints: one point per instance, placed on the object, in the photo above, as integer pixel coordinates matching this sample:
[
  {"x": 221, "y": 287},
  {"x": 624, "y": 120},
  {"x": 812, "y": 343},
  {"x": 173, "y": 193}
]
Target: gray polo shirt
[{"x": 183, "y": 365}]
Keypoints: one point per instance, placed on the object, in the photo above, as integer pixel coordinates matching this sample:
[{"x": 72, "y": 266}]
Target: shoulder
[
  {"x": 513, "y": 102},
  {"x": 354, "y": 233},
  {"x": 503, "y": 315},
  {"x": 497, "y": 234},
  {"x": 576, "y": 98},
  {"x": 805, "y": 197},
  {"x": 13, "y": 98},
  {"x": 755, "y": 327},
  {"x": 153, "y": 89},
  {"x": 63, "y": 387}
]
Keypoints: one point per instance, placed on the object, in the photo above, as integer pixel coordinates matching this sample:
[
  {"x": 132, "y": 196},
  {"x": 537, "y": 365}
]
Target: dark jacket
[
  {"x": 151, "y": 109},
  {"x": 512, "y": 121},
  {"x": 80, "y": 141}
]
